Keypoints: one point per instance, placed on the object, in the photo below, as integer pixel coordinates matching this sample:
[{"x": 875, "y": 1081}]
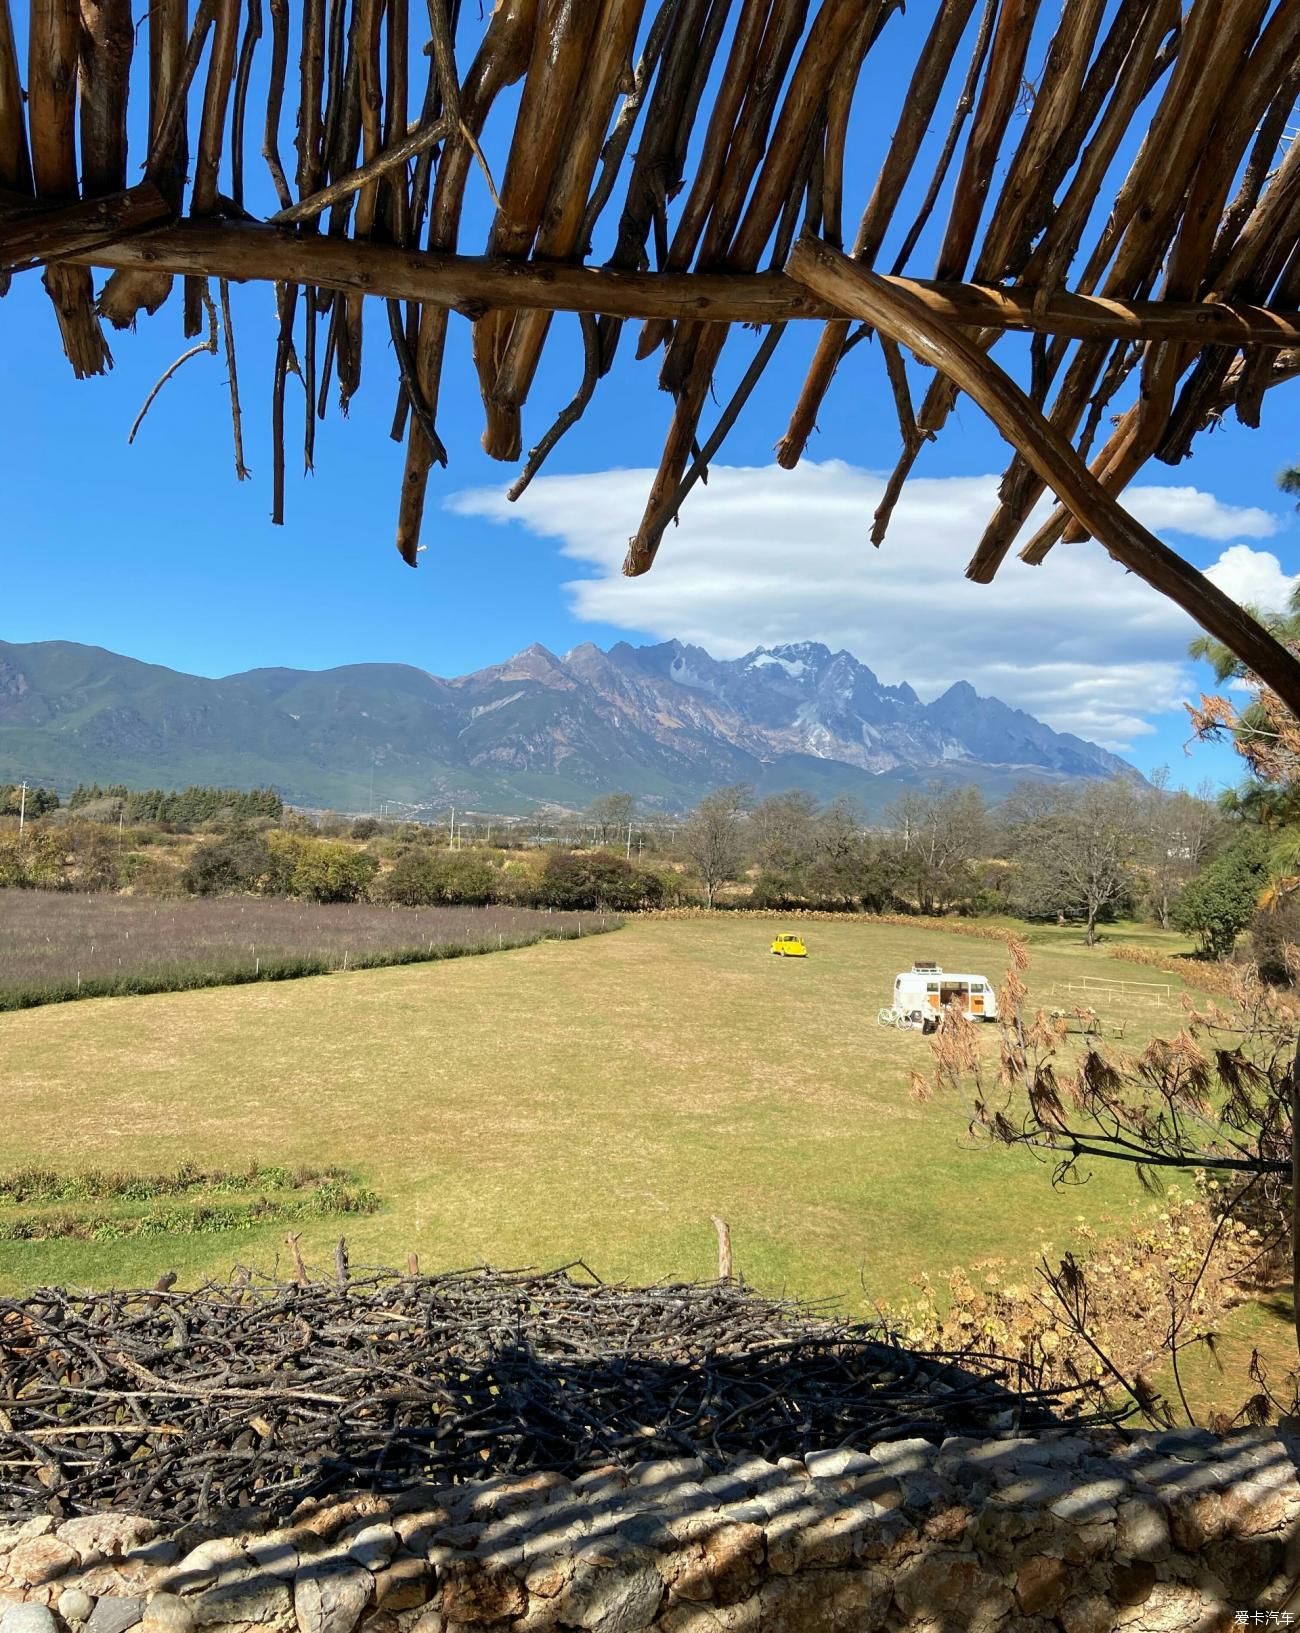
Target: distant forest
[{"x": 188, "y": 805}]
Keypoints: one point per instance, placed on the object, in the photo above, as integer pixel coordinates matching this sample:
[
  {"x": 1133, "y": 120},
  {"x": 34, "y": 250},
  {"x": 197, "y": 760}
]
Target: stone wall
[{"x": 1158, "y": 1532}]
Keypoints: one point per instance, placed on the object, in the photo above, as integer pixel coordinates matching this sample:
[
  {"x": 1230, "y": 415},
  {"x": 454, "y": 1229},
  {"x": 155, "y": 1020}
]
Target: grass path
[{"x": 597, "y": 1099}]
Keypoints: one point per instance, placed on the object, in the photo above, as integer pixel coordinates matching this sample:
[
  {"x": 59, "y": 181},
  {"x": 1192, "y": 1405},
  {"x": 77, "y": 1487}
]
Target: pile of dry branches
[{"x": 261, "y": 1391}]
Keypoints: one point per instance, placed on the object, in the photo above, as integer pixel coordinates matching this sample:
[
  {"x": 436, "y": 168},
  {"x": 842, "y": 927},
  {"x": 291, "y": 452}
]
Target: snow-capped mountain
[{"x": 665, "y": 722}]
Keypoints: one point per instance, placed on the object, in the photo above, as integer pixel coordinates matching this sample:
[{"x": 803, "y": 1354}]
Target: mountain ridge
[{"x": 666, "y": 721}]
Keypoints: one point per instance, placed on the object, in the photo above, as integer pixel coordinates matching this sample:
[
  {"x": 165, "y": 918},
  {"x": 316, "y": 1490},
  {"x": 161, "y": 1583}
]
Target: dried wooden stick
[
  {"x": 724, "y": 1248},
  {"x": 287, "y": 302},
  {"x": 15, "y": 159},
  {"x": 656, "y": 171},
  {"x": 1258, "y": 168},
  {"x": 708, "y": 451},
  {"x": 717, "y": 142},
  {"x": 682, "y": 370},
  {"x": 403, "y": 326},
  {"x": 208, "y": 345},
  {"x": 52, "y": 93},
  {"x": 447, "y": 281},
  {"x": 1002, "y": 85},
  {"x": 560, "y": 227},
  {"x": 1060, "y": 241},
  {"x": 416, "y": 141},
  {"x": 1235, "y": 127},
  {"x": 396, "y": 107},
  {"x": 965, "y": 102},
  {"x": 107, "y": 41},
  {"x": 781, "y": 169},
  {"x": 127, "y": 293},
  {"x": 651, "y": 174},
  {"x": 399, "y": 1381},
  {"x": 616, "y": 147},
  {"x": 167, "y": 137},
  {"x": 410, "y": 204},
  {"x": 275, "y": 101},
  {"x": 543, "y": 126},
  {"x": 293, "y": 1242},
  {"x": 1079, "y": 123},
  {"x": 411, "y": 392},
  {"x": 243, "y": 70},
  {"x": 1199, "y": 86},
  {"x": 502, "y": 58},
  {"x": 918, "y": 108},
  {"x": 1046, "y": 266},
  {"x": 310, "y": 168},
  {"x": 1017, "y": 215},
  {"x": 48, "y": 233},
  {"x": 216, "y": 96},
  {"x": 364, "y": 44},
  {"x": 896, "y": 369},
  {"x": 570, "y": 414},
  {"x": 1020, "y": 487}
]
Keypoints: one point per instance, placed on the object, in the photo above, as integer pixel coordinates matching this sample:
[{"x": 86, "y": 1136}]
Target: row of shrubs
[
  {"x": 323, "y": 1201},
  {"x": 259, "y": 861},
  {"x": 322, "y": 870},
  {"x": 36, "y": 1186}
]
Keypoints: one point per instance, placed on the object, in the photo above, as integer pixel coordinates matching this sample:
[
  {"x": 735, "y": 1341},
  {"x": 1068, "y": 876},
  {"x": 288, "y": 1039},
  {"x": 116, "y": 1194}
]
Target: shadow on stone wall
[{"x": 1180, "y": 1531}]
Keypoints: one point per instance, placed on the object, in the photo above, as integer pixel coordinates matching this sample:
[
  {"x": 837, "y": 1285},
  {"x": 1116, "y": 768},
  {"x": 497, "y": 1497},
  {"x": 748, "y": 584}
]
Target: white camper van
[{"x": 921, "y": 992}]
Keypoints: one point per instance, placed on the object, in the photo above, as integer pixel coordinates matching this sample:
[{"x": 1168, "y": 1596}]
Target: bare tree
[
  {"x": 714, "y": 839},
  {"x": 783, "y": 831},
  {"x": 937, "y": 834},
  {"x": 611, "y": 816},
  {"x": 1181, "y": 830},
  {"x": 1219, "y": 1099},
  {"x": 1077, "y": 847}
]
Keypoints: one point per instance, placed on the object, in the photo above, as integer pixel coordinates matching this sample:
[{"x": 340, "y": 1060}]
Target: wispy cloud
[{"x": 764, "y": 556}]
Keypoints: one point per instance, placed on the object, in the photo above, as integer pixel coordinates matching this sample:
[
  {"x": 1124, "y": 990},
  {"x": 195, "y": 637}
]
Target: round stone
[{"x": 75, "y": 1605}]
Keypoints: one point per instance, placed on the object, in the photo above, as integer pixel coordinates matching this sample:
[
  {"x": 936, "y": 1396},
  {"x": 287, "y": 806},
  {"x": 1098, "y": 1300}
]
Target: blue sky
[{"x": 156, "y": 550}]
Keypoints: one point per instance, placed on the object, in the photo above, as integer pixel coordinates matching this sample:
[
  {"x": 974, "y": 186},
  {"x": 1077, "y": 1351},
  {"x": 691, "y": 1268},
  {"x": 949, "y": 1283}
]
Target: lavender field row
[{"x": 55, "y": 947}]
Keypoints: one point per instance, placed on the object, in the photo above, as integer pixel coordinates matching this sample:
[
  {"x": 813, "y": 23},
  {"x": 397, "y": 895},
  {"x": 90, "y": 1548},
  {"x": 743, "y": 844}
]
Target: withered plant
[{"x": 1216, "y": 1103}]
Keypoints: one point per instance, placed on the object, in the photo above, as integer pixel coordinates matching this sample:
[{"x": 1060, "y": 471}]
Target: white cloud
[
  {"x": 1189, "y": 510},
  {"x": 1253, "y": 577},
  {"x": 764, "y": 556}
]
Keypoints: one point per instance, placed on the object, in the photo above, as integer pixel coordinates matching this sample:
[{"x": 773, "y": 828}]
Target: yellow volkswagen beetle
[{"x": 790, "y": 947}]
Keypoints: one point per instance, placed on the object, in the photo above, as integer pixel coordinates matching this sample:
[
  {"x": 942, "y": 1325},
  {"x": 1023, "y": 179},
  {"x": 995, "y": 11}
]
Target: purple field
[{"x": 56, "y": 946}]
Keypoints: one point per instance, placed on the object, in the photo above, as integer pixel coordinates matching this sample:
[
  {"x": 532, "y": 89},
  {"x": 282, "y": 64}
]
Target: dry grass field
[{"x": 599, "y": 1099}]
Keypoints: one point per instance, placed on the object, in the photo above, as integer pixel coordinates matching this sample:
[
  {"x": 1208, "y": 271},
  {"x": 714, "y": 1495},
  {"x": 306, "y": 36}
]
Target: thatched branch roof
[{"x": 1116, "y": 176}]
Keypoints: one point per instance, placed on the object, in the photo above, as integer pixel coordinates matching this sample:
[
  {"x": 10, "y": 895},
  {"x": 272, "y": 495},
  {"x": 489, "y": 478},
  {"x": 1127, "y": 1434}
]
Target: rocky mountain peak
[{"x": 667, "y": 722}]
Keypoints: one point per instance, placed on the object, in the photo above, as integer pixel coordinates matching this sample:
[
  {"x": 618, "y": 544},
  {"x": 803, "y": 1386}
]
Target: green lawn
[{"x": 597, "y": 1099}]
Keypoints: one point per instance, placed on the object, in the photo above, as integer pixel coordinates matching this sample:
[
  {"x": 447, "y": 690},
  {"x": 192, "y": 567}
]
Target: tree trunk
[
  {"x": 1295, "y": 1194},
  {"x": 1090, "y": 934}
]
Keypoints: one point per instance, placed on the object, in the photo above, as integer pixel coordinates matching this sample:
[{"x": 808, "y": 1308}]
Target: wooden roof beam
[
  {"x": 910, "y": 322},
  {"x": 33, "y": 237},
  {"x": 473, "y": 285}
]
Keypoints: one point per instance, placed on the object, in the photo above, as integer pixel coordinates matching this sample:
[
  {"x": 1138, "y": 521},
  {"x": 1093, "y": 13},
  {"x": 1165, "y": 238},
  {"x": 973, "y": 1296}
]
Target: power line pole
[
  {"x": 22, "y": 809},
  {"x": 451, "y": 831},
  {"x": 628, "y": 852}
]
